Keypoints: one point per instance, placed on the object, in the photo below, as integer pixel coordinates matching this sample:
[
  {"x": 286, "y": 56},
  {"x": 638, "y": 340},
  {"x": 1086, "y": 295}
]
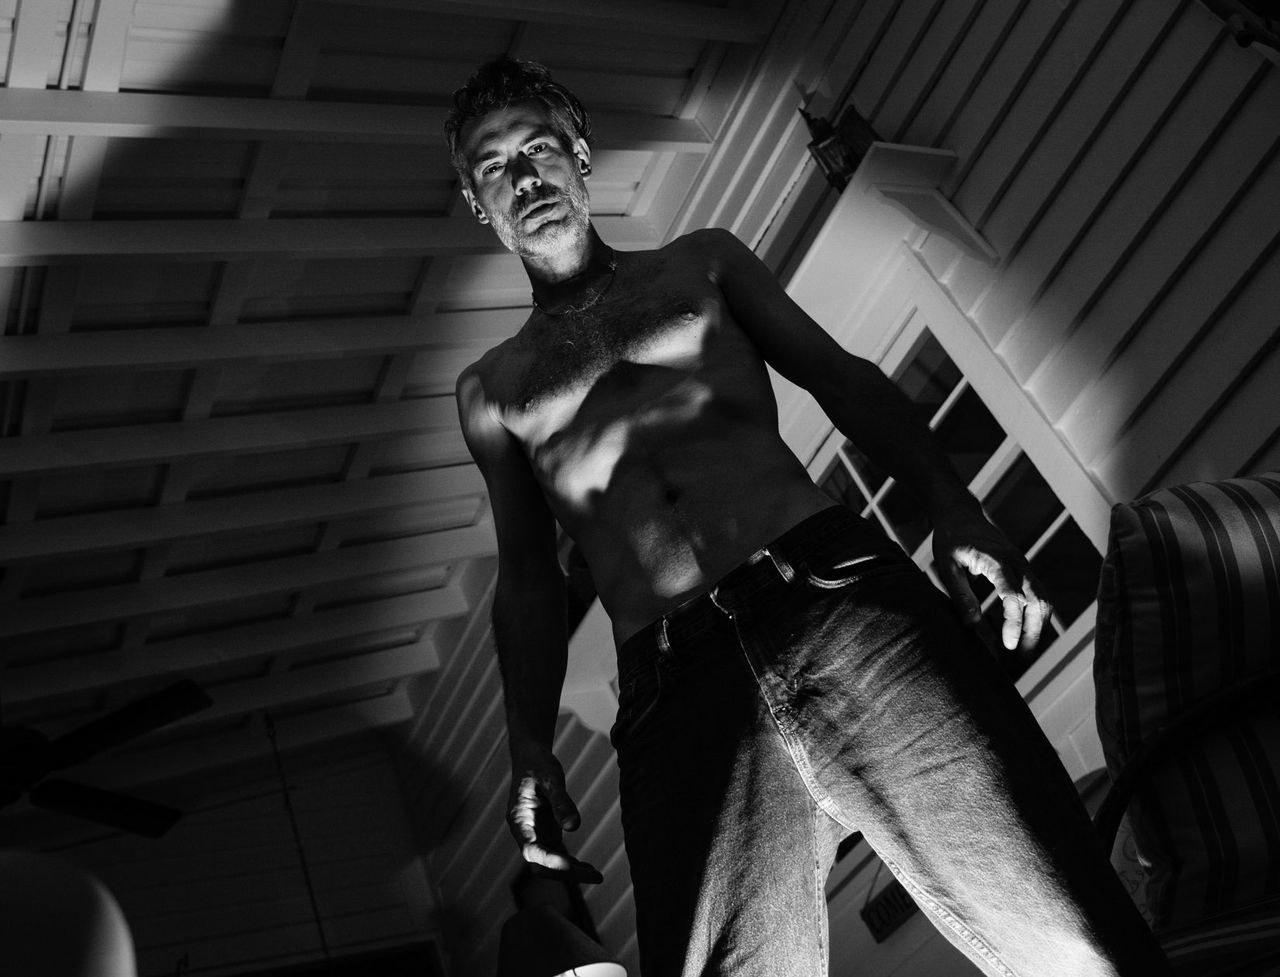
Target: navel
[{"x": 671, "y": 496}]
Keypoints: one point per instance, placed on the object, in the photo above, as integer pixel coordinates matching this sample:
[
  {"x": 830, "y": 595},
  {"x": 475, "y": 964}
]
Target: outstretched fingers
[
  {"x": 972, "y": 545},
  {"x": 1035, "y": 614},
  {"x": 1025, "y": 613}
]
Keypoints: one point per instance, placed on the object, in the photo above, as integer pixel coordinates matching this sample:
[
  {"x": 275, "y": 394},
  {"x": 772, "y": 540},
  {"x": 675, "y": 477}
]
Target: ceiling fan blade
[
  {"x": 170, "y": 704},
  {"x": 130, "y": 814}
]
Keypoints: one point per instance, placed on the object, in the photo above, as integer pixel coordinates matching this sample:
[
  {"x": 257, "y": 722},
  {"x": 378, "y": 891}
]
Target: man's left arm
[{"x": 871, "y": 411}]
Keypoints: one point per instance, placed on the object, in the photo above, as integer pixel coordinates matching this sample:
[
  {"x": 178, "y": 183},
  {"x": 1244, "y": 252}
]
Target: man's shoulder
[
  {"x": 712, "y": 248},
  {"x": 707, "y": 240},
  {"x": 491, "y": 365},
  {"x": 478, "y": 381}
]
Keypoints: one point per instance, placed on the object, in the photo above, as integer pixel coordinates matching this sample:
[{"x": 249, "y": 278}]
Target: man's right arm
[{"x": 530, "y": 633}]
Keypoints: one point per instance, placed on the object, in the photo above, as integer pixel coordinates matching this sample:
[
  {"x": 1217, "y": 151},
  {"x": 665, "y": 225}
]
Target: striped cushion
[
  {"x": 1189, "y": 605},
  {"x": 1239, "y": 943}
]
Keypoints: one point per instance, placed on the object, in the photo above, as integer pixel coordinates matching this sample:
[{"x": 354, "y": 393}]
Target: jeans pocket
[{"x": 637, "y": 698}]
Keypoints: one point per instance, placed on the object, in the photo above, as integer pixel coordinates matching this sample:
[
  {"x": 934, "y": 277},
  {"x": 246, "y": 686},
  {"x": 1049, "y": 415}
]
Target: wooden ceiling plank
[
  {"x": 18, "y": 167},
  {"x": 247, "y": 582},
  {"x": 187, "y": 656},
  {"x": 24, "y": 357},
  {"x": 661, "y": 17},
  {"x": 82, "y": 177},
  {"x": 133, "y": 528},
  {"x": 298, "y": 56},
  {"x": 37, "y": 243},
  {"x": 44, "y": 112},
  {"x": 33, "y": 44},
  {"x": 24, "y": 243},
  {"x": 144, "y": 444},
  {"x": 104, "y": 61}
]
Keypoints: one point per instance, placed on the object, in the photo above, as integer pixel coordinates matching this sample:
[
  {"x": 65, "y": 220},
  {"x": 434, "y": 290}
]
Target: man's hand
[
  {"x": 970, "y": 544},
  {"x": 539, "y": 810}
]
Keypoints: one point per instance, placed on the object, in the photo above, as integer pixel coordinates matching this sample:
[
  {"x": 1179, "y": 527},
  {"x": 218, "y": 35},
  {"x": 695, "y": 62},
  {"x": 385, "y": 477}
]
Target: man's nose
[{"x": 524, "y": 175}]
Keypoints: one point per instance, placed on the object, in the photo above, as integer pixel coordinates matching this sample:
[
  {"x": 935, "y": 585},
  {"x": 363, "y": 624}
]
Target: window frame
[{"x": 890, "y": 299}]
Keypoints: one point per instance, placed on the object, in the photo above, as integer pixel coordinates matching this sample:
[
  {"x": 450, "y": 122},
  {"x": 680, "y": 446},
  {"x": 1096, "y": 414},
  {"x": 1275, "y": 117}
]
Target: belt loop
[
  {"x": 785, "y": 570},
  {"x": 664, "y": 639}
]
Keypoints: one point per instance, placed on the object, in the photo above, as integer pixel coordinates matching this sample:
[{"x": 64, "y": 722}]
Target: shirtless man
[{"x": 787, "y": 674}]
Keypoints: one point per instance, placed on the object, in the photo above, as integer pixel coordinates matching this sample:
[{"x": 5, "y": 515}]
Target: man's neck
[{"x": 565, "y": 275}]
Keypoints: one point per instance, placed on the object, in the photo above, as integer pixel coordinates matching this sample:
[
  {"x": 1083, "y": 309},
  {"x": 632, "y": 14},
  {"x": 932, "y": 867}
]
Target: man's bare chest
[{"x": 558, "y": 357}]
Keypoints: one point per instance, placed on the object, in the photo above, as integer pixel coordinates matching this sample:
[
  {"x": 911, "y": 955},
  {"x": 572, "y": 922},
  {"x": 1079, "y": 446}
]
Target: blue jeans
[{"x": 826, "y": 686}]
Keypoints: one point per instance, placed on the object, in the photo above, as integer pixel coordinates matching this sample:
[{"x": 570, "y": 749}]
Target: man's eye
[
  {"x": 491, "y": 169},
  {"x": 537, "y": 148}
]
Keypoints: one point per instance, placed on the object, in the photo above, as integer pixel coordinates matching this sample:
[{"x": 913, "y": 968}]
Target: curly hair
[{"x": 499, "y": 83}]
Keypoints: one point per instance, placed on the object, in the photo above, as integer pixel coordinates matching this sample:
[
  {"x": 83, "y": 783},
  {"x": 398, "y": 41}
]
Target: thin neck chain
[{"x": 595, "y": 297}]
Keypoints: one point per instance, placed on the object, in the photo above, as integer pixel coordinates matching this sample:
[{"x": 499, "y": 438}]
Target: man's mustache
[{"x": 535, "y": 197}]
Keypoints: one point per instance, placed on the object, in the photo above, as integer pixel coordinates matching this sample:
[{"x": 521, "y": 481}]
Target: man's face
[{"x": 527, "y": 183}]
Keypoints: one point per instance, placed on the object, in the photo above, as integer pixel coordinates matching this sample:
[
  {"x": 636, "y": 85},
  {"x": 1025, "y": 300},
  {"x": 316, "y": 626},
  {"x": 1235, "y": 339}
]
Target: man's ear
[
  {"x": 582, "y": 152},
  {"x": 476, "y": 209}
]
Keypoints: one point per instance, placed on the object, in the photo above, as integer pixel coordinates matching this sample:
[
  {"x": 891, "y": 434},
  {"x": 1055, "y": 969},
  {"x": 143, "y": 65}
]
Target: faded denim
[{"x": 827, "y": 686}]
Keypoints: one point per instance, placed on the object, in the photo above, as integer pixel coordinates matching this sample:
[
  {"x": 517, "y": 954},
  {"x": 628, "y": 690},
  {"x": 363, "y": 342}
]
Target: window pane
[
  {"x": 928, "y": 377},
  {"x": 1068, "y": 567},
  {"x": 871, "y": 476},
  {"x": 969, "y": 435},
  {"x": 841, "y": 487},
  {"x": 1022, "y": 504}
]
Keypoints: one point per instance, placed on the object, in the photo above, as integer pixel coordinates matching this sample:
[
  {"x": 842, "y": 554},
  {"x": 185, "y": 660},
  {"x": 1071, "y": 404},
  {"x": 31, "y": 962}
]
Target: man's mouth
[{"x": 539, "y": 209}]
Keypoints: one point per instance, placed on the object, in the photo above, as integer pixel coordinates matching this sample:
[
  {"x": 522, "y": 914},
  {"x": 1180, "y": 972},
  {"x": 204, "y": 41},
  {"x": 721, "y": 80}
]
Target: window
[{"x": 1014, "y": 494}]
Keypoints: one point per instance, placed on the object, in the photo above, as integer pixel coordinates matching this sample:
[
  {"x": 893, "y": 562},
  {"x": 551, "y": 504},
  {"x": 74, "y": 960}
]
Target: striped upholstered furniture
[{"x": 1187, "y": 670}]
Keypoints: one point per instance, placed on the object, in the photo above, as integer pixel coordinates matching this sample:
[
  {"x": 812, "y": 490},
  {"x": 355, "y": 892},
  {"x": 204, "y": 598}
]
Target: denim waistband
[{"x": 766, "y": 568}]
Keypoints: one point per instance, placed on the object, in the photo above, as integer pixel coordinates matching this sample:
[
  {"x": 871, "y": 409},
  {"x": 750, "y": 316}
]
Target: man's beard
[{"x": 549, "y": 236}]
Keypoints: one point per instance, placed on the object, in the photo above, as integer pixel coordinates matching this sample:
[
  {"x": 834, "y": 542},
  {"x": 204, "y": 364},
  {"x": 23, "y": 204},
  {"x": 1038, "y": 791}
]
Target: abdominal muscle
[{"x": 684, "y": 500}]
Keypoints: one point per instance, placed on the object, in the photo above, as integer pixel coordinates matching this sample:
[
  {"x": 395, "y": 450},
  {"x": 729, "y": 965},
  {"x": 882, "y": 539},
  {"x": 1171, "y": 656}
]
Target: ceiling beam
[
  {"x": 108, "y": 41},
  {"x": 275, "y": 508},
  {"x": 321, "y": 631},
  {"x": 58, "y": 242},
  {"x": 262, "y": 578},
  {"x": 219, "y": 437},
  {"x": 183, "y": 347},
  {"x": 54, "y": 112},
  {"x": 660, "y": 17}
]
